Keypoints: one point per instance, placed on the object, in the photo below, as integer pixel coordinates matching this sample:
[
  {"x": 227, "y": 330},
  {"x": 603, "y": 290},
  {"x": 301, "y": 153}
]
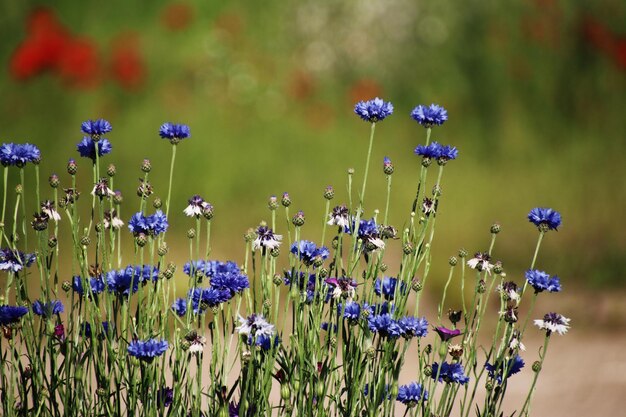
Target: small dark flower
[
  {"x": 428, "y": 206},
  {"x": 432, "y": 115},
  {"x": 411, "y": 394},
  {"x": 101, "y": 189},
  {"x": 48, "y": 309},
  {"x": 145, "y": 189},
  {"x": 59, "y": 332},
  {"x": 339, "y": 217},
  {"x": 480, "y": 262},
  {"x": 87, "y": 148},
  {"x": 47, "y": 207},
  {"x": 545, "y": 217},
  {"x": 147, "y": 350},
  {"x": 71, "y": 195},
  {"x": 11, "y": 314},
  {"x": 111, "y": 220},
  {"x": 375, "y": 110},
  {"x": 446, "y": 334},
  {"x": 541, "y": 281},
  {"x": 449, "y": 373},
  {"x": 174, "y": 132},
  {"x": 40, "y": 221},
  {"x": 165, "y": 396},
  {"x": 455, "y": 316},
  {"x": 509, "y": 291}
]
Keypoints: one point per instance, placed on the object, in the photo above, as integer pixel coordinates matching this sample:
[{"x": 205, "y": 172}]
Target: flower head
[
  {"x": 449, "y": 373},
  {"x": 87, "y": 148},
  {"x": 124, "y": 282},
  {"x": 553, "y": 322},
  {"x": 266, "y": 238},
  {"x": 19, "y": 154},
  {"x": 342, "y": 287},
  {"x": 101, "y": 189},
  {"x": 165, "y": 396},
  {"x": 446, "y": 334},
  {"x": 96, "y": 284},
  {"x": 480, "y": 262},
  {"x": 11, "y": 314},
  {"x": 308, "y": 252},
  {"x": 339, "y": 217},
  {"x": 151, "y": 225},
  {"x": 48, "y": 208},
  {"x": 541, "y": 281},
  {"x": 411, "y": 394},
  {"x": 96, "y": 128},
  {"x": 384, "y": 325},
  {"x": 196, "y": 206},
  {"x": 513, "y": 366},
  {"x": 375, "y": 110},
  {"x": 413, "y": 326},
  {"x": 351, "y": 311},
  {"x": 545, "y": 218},
  {"x": 147, "y": 350},
  {"x": 47, "y": 309},
  {"x": 387, "y": 287},
  {"x": 431, "y": 151},
  {"x": 15, "y": 260},
  {"x": 174, "y": 132},
  {"x": 111, "y": 220},
  {"x": 432, "y": 115}
]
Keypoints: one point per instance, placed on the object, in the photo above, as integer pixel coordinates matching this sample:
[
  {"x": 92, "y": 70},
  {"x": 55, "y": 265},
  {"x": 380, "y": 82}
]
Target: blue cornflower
[
  {"x": 387, "y": 287},
  {"x": 19, "y": 154},
  {"x": 96, "y": 128},
  {"x": 86, "y": 330},
  {"x": 448, "y": 153},
  {"x": 147, "y": 350},
  {"x": 514, "y": 365},
  {"x": 384, "y": 325},
  {"x": 308, "y": 252},
  {"x": 126, "y": 281},
  {"x": 87, "y": 148},
  {"x": 545, "y": 218},
  {"x": 15, "y": 260},
  {"x": 174, "y": 132},
  {"x": 411, "y": 394},
  {"x": 369, "y": 233},
  {"x": 541, "y": 281},
  {"x": 432, "y": 150},
  {"x": 263, "y": 341},
  {"x": 96, "y": 284},
  {"x": 432, "y": 115},
  {"x": 450, "y": 373},
  {"x": 151, "y": 225},
  {"x": 235, "y": 282},
  {"x": 48, "y": 309},
  {"x": 165, "y": 396},
  {"x": 413, "y": 326},
  {"x": 11, "y": 314},
  {"x": 352, "y": 310},
  {"x": 180, "y": 307},
  {"x": 375, "y": 110}
]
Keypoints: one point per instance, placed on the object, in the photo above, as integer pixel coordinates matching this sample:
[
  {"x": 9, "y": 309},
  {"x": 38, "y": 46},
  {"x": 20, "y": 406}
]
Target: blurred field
[{"x": 535, "y": 93}]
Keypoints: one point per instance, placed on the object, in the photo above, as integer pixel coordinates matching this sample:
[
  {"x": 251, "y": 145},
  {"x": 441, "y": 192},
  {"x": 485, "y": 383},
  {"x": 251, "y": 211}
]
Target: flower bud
[
  {"x": 191, "y": 233},
  {"x": 452, "y": 261},
  {"x": 536, "y": 366},
  {"x": 54, "y": 180},
  {"x": 462, "y": 253},
  {"x": 436, "y": 191},
  {"x": 298, "y": 219},
  {"x": 489, "y": 385},
  {"x": 285, "y": 391},
  {"x": 85, "y": 241},
  {"x": 322, "y": 273},
  {"x": 141, "y": 240},
  {"x": 272, "y": 204},
  {"x": 101, "y": 392},
  {"x": 407, "y": 249},
  {"x": 329, "y": 193},
  {"x": 162, "y": 251},
  {"x": 426, "y": 162},
  {"x": 387, "y": 166},
  {"x": 417, "y": 286},
  {"x": 66, "y": 286},
  {"x": 72, "y": 168},
  {"x": 277, "y": 280},
  {"x": 207, "y": 211},
  {"x": 428, "y": 371},
  {"x": 319, "y": 389},
  {"x": 157, "y": 203},
  {"x": 146, "y": 166},
  {"x": 117, "y": 198},
  {"x": 481, "y": 287},
  {"x": 285, "y": 201},
  {"x": 274, "y": 252},
  {"x": 495, "y": 228}
]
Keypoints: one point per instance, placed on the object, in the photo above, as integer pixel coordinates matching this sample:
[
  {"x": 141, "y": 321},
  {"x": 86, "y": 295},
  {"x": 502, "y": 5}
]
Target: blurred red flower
[
  {"x": 79, "y": 64},
  {"x": 364, "y": 89},
  {"x": 127, "y": 65},
  {"x": 177, "y": 16}
]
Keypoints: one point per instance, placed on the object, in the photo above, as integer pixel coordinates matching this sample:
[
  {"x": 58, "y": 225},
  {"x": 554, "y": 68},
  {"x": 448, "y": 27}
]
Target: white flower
[
  {"x": 339, "y": 217},
  {"x": 266, "y": 239},
  {"x": 196, "y": 206},
  {"x": 480, "y": 261},
  {"x": 254, "y": 325},
  {"x": 553, "y": 322},
  {"x": 197, "y": 346}
]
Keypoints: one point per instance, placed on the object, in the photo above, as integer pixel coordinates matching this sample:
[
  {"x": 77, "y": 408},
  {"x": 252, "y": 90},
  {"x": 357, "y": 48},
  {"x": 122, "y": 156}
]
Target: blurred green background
[{"x": 535, "y": 90}]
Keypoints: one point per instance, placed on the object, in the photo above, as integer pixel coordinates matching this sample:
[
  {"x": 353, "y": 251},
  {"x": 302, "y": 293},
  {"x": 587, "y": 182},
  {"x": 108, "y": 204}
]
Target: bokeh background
[
  {"x": 536, "y": 94},
  {"x": 535, "y": 90}
]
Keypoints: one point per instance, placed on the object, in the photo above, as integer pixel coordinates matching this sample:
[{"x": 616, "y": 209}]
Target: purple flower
[
  {"x": 147, "y": 350},
  {"x": 266, "y": 238},
  {"x": 545, "y": 218},
  {"x": 411, "y": 394},
  {"x": 413, "y": 326},
  {"x": 375, "y": 110},
  {"x": 432, "y": 115},
  {"x": 14, "y": 261},
  {"x": 96, "y": 128},
  {"x": 87, "y": 148},
  {"x": 165, "y": 396},
  {"x": 432, "y": 150},
  {"x": 11, "y": 314},
  {"x": 308, "y": 252},
  {"x": 96, "y": 284},
  {"x": 174, "y": 132},
  {"x": 449, "y": 373},
  {"x": 150, "y": 225},
  {"x": 19, "y": 154},
  {"x": 513, "y": 366},
  {"x": 446, "y": 334},
  {"x": 342, "y": 287},
  {"x": 48, "y": 309},
  {"x": 541, "y": 281},
  {"x": 387, "y": 287}
]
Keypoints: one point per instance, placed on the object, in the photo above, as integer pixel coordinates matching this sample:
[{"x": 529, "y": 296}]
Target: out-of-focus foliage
[{"x": 535, "y": 91}]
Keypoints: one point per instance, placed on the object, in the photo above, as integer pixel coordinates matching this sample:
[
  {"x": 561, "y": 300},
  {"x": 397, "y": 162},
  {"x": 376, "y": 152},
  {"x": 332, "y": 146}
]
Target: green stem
[{"x": 169, "y": 190}]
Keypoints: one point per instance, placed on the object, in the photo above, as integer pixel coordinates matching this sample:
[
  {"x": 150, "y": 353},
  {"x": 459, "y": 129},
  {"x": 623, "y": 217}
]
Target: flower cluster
[
  {"x": 386, "y": 326},
  {"x": 257, "y": 331},
  {"x": 47, "y": 309},
  {"x": 11, "y": 314},
  {"x": 148, "y": 225},
  {"x": 435, "y": 150},
  {"x": 87, "y": 147},
  {"x": 96, "y": 285},
  {"x": 16, "y": 154},
  {"x": 375, "y": 110},
  {"x": 411, "y": 394}
]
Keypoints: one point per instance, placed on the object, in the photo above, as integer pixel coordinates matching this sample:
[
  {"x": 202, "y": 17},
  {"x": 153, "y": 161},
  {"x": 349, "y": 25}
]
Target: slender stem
[
  {"x": 169, "y": 190},
  {"x": 367, "y": 165}
]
